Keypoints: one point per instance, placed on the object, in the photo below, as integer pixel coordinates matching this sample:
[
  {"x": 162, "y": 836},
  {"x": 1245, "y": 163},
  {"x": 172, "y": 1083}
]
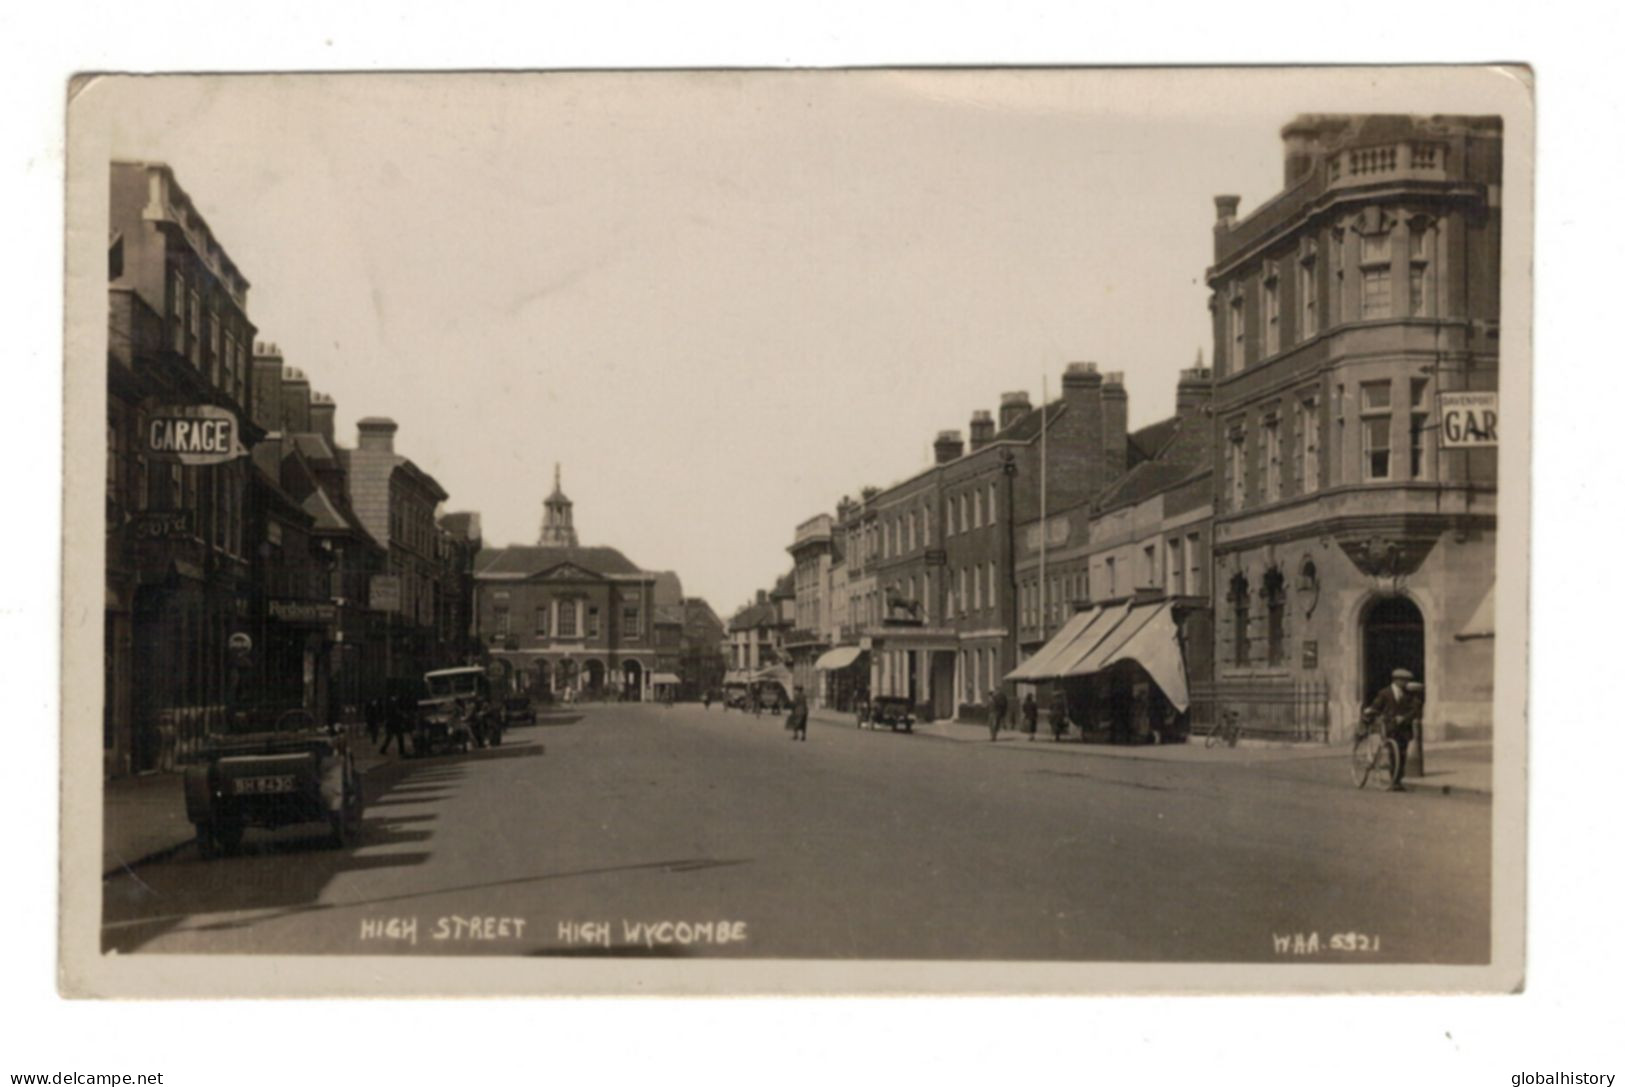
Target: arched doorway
[
  {"x": 544, "y": 677},
  {"x": 1391, "y": 635},
  {"x": 634, "y": 681},
  {"x": 564, "y": 675},
  {"x": 593, "y": 681}
]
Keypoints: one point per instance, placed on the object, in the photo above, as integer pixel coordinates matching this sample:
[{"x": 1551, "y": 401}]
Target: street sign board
[
  {"x": 163, "y": 525},
  {"x": 1468, "y": 420},
  {"x": 303, "y": 611},
  {"x": 193, "y": 434},
  {"x": 384, "y": 592}
]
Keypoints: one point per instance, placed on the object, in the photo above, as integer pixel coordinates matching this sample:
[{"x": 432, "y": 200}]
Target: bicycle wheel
[
  {"x": 1386, "y": 764},
  {"x": 1363, "y": 757}
]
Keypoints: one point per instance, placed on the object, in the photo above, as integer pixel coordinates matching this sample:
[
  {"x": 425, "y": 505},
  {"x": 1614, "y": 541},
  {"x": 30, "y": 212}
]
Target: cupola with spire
[{"x": 558, "y": 529}]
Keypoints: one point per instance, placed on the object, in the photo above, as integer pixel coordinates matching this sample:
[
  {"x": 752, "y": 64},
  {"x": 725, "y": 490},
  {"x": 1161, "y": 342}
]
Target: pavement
[
  {"x": 655, "y": 831},
  {"x": 1453, "y": 766}
]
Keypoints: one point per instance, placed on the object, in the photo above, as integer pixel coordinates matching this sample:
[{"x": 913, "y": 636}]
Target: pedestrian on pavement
[
  {"x": 1029, "y": 716},
  {"x": 1398, "y": 708},
  {"x": 860, "y": 706},
  {"x": 797, "y": 721},
  {"x": 1001, "y": 706},
  {"x": 706, "y": 698},
  {"x": 1057, "y": 714},
  {"x": 755, "y": 702},
  {"x": 395, "y": 725},
  {"x": 375, "y": 720},
  {"x": 992, "y": 719}
]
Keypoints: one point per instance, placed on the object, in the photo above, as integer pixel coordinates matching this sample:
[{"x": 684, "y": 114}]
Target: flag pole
[{"x": 1043, "y": 508}]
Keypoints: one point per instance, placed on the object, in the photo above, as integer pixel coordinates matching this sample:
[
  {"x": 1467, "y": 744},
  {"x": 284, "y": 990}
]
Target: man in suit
[
  {"x": 1401, "y": 708},
  {"x": 797, "y": 722}
]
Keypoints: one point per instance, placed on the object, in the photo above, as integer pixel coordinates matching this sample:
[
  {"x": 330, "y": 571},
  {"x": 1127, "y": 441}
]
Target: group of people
[
  {"x": 393, "y": 716},
  {"x": 998, "y": 709}
]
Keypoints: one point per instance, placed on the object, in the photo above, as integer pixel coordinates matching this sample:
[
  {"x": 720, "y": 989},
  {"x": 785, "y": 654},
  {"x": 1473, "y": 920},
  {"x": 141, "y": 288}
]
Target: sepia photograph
[{"x": 869, "y": 530}]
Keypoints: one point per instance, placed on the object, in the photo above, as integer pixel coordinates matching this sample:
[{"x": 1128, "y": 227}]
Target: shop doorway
[
  {"x": 1392, "y": 638},
  {"x": 633, "y": 691}
]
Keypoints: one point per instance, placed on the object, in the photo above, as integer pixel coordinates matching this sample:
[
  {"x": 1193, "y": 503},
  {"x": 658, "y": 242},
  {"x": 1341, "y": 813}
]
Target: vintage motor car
[
  {"x": 518, "y": 709},
  {"x": 893, "y": 711},
  {"x": 456, "y": 699},
  {"x": 294, "y": 771}
]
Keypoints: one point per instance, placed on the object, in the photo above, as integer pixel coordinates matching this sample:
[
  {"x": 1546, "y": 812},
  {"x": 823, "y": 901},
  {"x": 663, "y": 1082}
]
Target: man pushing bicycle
[{"x": 1397, "y": 709}]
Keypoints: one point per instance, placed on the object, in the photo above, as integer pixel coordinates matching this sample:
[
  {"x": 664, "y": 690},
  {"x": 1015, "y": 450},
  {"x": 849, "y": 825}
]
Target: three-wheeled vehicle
[
  {"x": 893, "y": 711},
  {"x": 292, "y": 771}
]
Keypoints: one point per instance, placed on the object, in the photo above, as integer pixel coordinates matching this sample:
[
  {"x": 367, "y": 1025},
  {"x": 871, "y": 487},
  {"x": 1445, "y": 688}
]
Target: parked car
[
  {"x": 455, "y": 696},
  {"x": 519, "y": 710},
  {"x": 293, "y": 771},
  {"x": 893, "y": 711}
]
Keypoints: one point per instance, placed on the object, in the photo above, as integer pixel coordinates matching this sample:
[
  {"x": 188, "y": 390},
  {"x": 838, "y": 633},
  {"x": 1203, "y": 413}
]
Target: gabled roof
[
  {"x": 520, "y": 562},
  {"x": 1149, "y": 441},
  {"x": 755, "y": 615},
  {"x": 1187, "y": 451}
]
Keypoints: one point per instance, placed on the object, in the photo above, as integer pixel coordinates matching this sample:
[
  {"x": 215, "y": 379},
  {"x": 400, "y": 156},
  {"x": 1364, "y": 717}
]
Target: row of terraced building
[{"x": 1299, "y": 527}]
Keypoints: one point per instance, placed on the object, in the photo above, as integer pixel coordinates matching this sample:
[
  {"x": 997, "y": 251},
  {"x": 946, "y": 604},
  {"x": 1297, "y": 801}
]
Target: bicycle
[
  {"x": 1226, "y": 727},
  {"x": 1374, "y": 753}
]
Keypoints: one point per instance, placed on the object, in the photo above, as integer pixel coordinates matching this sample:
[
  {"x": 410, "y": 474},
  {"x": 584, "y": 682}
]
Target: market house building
[
  {"x": 563, "y": 617},
  {"x": 1349, "y": 540}
]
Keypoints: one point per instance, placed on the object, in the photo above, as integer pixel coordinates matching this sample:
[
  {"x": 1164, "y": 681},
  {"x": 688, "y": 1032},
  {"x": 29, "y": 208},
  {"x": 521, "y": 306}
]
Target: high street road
[{"x": 641, "y": 829}]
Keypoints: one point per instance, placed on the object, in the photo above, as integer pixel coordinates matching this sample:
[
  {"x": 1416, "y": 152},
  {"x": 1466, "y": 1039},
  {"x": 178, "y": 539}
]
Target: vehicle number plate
[{"x": 281, "y": 783}]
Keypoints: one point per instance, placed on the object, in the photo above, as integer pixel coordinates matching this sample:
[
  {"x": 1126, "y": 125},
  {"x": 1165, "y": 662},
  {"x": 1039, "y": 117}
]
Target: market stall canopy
[
  {"x": 1149, "y": 637},
  {"x": 664, "y": 677},
  {"x": 842, "y": 656},
  {"x": 1036, "y": 667},
  {"x": 1482, "y": 623}
]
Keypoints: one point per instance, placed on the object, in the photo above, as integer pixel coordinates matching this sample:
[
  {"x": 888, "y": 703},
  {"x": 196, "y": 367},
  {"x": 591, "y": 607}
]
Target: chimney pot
[{"x": 1226, "y": 207}]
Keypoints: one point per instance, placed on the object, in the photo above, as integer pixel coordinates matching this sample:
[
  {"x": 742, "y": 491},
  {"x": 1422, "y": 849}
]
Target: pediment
[{"x": 567, "y": 571}]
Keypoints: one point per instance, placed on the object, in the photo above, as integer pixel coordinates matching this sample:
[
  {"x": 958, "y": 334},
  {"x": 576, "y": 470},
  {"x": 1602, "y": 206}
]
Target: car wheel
[{"x": 229, "y": 833}]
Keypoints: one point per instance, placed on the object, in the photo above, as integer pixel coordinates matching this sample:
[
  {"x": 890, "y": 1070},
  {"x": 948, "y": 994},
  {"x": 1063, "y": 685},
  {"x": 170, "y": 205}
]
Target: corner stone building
[{"x": 1347, "y": 542}]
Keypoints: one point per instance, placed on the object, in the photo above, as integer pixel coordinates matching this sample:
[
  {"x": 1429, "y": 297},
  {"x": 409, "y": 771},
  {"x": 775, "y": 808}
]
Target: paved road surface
[{"x": 854, "y": 844}]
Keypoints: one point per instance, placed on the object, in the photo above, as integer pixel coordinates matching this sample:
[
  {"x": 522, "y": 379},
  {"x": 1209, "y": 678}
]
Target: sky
[{"x": 721, "y": 301}]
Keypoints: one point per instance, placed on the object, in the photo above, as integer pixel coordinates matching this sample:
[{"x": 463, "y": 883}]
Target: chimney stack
[
  {"x": 761, "y": 596},
  {"x": 265, "y": 387},
  {"x": 1012, "y": 407},
  {"x": 1195, "y": 389},
  {"x": 322, "y": 410},
  {"x": 1080, "y": 389},
  {"x": 950, "y": 446},
  {"x": 295, "y": 401},
  {"x": 981, "y": 429},
  {"x": 376, "y": 434},
  {"x": 1113, "y": 427},
  {"x": 1226, "y": 207}
]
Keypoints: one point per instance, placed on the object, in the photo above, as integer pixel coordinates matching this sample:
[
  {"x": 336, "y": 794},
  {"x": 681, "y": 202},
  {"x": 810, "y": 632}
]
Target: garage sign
[
  {"x": 1468, "y": 420},
  {"x": 193, "y": 434}
]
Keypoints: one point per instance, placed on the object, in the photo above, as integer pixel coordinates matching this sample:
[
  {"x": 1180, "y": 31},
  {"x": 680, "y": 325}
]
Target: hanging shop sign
[
  {"x": 193, "y": 434},
  {"x": 384, "y": 593},
  {"x": 1468, "y": 420}
]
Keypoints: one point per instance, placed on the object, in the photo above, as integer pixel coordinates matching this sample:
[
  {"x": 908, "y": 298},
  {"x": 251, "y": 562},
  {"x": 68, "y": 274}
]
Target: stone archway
[
  {"x": 633, "y": 682},
  {"x": 544, "y": 677},
  {"x": 1392, "y": 635},
  {"x": 592, "y": 678},
  {"x": 565, "y": 675}
]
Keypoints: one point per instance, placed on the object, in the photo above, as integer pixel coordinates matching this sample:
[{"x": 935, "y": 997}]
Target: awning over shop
[
  {"x": 1482, "y": 623},
  {"x": 1067, "y": 657},
  {"x": 842, "y": 656},
  {"x": 736, "y": 676},
  {"x": 1037, "y": 666},
  {"x": 660, "y": 678},
  {"x": 1149, "y": 637},
  {"x": 777, "y": 674}
]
